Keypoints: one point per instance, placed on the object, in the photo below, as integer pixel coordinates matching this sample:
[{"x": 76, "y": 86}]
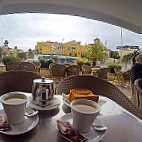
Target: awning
[{"x": 124, "y": 13}]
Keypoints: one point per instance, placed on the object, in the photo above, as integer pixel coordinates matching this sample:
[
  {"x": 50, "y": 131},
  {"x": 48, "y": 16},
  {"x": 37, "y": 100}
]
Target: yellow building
[
  {"x": 123, "y": 52},
  {"x": 71, "y": 48},
  {"x": 45, "y": 47}
]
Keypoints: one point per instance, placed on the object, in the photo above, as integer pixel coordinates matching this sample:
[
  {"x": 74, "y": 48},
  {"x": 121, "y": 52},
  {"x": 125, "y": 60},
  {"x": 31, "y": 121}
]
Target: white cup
[
  {"x": 84, "y": 113},
  {"x": 14, "y": 104}
]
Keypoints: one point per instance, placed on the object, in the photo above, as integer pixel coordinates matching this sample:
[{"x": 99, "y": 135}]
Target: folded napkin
[
  {"x": 68, "y": 132},
  {"x": 4, "y": 125}
]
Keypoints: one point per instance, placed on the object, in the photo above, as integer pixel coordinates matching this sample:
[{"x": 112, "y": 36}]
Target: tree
[
  {"x": 114, "y": 55},
  {"x": 15, "y": 47},
  {"x": 95, "y": 52},
  {"x": 22, "y": 55},
  {"x": 30, "y": 52},
  {"x": 131, "y": 57}
]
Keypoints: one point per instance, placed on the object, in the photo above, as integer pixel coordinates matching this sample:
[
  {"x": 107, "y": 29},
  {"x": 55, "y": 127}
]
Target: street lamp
[
  {"x": 121, "y": 46},
  {"x": 1, "y": 49}
]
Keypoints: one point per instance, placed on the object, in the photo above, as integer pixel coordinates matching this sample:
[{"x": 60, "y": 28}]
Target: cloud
[{"x": 25, "y": 30}]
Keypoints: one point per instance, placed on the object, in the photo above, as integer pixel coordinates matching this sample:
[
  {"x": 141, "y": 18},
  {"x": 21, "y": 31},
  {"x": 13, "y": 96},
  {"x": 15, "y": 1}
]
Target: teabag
[
  {"x": 70, "y": 133},
  {"x": 4, "y": 125}
]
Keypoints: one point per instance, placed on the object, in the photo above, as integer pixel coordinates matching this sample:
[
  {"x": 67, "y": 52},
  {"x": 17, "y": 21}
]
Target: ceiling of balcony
[{"x": 124, "y": 13}]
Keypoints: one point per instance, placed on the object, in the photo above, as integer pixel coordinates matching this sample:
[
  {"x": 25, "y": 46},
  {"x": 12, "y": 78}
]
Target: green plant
[
  {"x": 80, "y": 63},
  {"x": 45, "y": 63},
  {"x": 42, "y": 61},
  {"x": 89, "y": 64},
  {"x": 95, "y": 52},
  {"x": 48, "y": 62},
  {"x": 114, "y": 66},
  {"x": 22, "y": 55},
  {"x": 9, "y": 58}
]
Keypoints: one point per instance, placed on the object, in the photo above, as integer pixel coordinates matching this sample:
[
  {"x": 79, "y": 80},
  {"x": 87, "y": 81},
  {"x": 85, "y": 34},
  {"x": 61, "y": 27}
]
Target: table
[{"x": 122, "y": 125}]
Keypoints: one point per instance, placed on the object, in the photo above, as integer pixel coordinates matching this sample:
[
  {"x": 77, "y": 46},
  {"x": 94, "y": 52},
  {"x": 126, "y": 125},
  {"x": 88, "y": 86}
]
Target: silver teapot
[{"x": 42, "y": 91}]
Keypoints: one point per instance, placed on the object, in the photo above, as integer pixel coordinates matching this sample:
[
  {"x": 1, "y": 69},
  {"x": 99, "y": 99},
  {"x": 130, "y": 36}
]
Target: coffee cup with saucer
[
  {"x": 84, "y": 112},
  {"x": 14, "y": 104}
]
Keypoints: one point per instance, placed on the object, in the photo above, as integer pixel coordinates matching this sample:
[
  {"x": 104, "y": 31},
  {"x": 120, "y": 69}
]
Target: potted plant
[{"x": 112, "y": 66}]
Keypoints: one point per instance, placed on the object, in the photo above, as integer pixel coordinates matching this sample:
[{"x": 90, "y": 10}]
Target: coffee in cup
[
  {"x": 14, "y": 105},
  {"x": 84, "y": 113}
]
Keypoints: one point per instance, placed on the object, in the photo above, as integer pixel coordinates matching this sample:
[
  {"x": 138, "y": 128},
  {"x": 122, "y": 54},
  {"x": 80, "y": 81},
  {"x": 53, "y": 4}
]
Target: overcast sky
[{"x": 25, "y": 30}]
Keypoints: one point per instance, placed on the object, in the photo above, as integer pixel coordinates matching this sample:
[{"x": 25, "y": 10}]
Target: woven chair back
[
  {"x": 73, "y": 70},
  {"x": 66, "y": 64},
  {"x": 117, "y": 70},
  {"x": 138, "y": 93},
  {"x": 97, "y": 86},
  {"x": 51, "y": 65},
  {"x": 17, "y": 81},
  {"x": 26, "y": 66},
  {"x": 102, "y": 73},
  {"x": 12, "y": 66},
  {"x": 37, "y": 66},
  {"x": 126, "y": 75},
  {"x": 96, "y": 67},
  {"x": 86, "y": 69},
  {"x": 58, "y": 70}
]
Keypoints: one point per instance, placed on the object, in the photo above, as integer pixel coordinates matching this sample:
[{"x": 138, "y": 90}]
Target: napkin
[
  {"x": 4, "y": 125},
  {"x": 71, "y": 134}
]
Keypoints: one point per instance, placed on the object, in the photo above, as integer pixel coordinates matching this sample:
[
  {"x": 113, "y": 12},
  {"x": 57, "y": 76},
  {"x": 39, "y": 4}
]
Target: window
[
  {"x": 69, "y": 48},
  {"x": 75, "y": 54},
  {"x": 70, "y": 54},
  {"x": 73, "y": 46}
]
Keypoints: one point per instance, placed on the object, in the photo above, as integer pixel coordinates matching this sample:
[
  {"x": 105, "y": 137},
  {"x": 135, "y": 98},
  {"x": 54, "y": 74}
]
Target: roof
[{"x": 124, "y": 13}]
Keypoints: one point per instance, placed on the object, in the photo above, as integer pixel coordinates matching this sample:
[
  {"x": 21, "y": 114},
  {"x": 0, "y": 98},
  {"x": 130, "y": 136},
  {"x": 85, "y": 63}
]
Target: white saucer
[
  {"x": 92, "y": 135},
  {"x": 55, "y": 104},
  {"x": 26, "y": 126}
]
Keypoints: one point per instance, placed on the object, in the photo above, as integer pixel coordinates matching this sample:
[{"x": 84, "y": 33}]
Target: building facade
[
  {"x": 124, "y": 50},
  {"x": 72, "y": 48}
]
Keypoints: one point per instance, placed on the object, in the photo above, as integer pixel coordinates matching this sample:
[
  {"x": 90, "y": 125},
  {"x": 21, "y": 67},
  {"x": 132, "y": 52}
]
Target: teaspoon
[
  {"x": 31, "y": 113},
  {"x": 99, "y": 127}
]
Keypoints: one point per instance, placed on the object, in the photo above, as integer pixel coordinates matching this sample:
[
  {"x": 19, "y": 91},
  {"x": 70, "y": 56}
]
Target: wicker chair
[
  {"x": 58, "y": 70},
  {"x": 86, "y": 69},
  {"x": 26, "y": 66},
  {"x": 138, "y": 93},
  {"x": 12, "y": 66},
  {"x": 126, "y": 77},
  {"x": 17, "y": 81},
  {"x": 96, "y": 67},
  {"x": 73, "y": 70},
  {"x": 102, "y": 73},
  {"x": 37, "y": 66},
  {"x": 50, "y": 68},
  {"x": 100, "y": 87},
  {"x": 51, "y": 65}
]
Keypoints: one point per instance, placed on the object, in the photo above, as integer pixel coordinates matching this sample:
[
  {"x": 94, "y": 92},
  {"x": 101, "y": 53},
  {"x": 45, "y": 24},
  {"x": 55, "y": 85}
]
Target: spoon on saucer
[
  {"x": 99, "y": 127},
  {"x": 29, "y": 112}
]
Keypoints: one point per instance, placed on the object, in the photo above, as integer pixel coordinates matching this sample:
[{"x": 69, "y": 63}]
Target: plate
[
  {"x": 26, "y": 126},
  {"x": 55, "y": 104},
  {"x": 92, "y": 135}
]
